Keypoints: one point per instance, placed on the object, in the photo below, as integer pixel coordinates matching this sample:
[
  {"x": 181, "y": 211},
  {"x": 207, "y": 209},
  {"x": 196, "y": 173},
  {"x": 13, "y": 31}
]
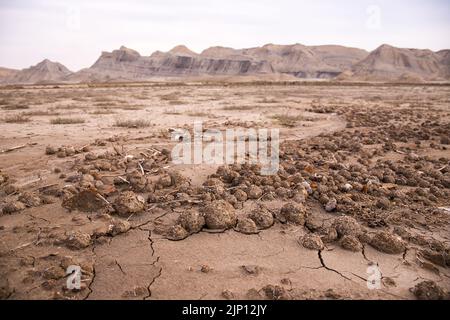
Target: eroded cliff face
[
  {"x": 386, "y": 63},
  {"x": 128, "y": 63},
  {"x": 296, "y": 60}
]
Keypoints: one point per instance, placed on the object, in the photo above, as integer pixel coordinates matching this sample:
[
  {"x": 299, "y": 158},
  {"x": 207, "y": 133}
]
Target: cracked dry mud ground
[{"x": 364, "y": 181}]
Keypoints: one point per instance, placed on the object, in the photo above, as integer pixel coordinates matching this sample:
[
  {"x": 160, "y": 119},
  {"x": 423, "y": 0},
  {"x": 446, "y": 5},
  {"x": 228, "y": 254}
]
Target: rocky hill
[
  {"x": 6, "y": 73},
  {"x": 44, "y": 72},
  {"x": 386, "y": 63}
]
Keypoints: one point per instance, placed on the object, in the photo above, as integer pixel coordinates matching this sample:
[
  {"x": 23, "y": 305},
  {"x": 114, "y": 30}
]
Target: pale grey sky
[{"x": 75, "y": 32}]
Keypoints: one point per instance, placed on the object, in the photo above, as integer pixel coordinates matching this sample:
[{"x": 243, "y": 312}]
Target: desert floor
[{"x": 363, "y": 185}]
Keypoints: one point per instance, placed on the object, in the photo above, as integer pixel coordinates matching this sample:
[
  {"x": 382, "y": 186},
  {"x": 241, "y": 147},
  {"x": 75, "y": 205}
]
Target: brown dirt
[{"x": 364, "y": 181}]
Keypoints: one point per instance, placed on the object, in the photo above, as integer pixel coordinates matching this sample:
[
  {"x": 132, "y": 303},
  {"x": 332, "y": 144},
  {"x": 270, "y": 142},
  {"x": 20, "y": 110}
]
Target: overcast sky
[{"x": 75, "y": 32}]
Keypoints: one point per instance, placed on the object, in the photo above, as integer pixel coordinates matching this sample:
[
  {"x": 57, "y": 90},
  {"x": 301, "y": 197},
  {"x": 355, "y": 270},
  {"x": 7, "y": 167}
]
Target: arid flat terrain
[{"x": 359, "y": 209}]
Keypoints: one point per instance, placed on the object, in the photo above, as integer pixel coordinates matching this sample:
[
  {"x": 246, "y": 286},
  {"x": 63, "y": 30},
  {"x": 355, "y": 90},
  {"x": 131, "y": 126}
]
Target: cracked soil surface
[{"x": 363, "y": 185}]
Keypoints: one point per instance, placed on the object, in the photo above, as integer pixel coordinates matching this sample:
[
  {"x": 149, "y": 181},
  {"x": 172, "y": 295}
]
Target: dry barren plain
[{"x": 359, "y": 208}]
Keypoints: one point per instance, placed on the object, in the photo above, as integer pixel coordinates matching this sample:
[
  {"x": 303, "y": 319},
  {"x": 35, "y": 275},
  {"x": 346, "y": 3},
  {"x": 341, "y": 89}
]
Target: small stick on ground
[
  {"x": 123, "y": 179},
  {"x": 30, "y": 182},
  {"x": 103, "y": 198},
  {"x": 13, "y": 148},
  {"x": 145, "y": 154},
  {"x": 47, "y": 186},
  {"x": 112, "y": 175},
  {"x": 154, "y": 150},
  {"x": 142, "y": 169}
]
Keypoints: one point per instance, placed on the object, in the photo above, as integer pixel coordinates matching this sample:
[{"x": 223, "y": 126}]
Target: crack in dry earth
[
  {"x": 152, "y": 264},
  {"x": 330, "y": 269},
  {"x": 93, "y": 276}
]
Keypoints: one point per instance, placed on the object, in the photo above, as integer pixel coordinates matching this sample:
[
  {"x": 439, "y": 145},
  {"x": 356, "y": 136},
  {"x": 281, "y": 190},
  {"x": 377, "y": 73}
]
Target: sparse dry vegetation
[
  {"x": 176, "y": 102},
  {"x": 4, "y": 102},
  {"x": 102, "y": 111},
  {"x": 80, "y": 99},
  {"x": 49, "y": 112},
  {"x": 131, "y": 123},
  {"x": 268, "y": 100},
  {"x": 17, "y": 118},
  {"x": 172, "y": 98},
  {"x": 61, "y": 120},
  {"x": 15, "y": 107},
  {"x": 140, "y": 96},
  {"x": 104, "y": 104},
  {"x": 237, "y": 108},
  {"x": 287, "y": 120},
  {"x": 198, "y": 114},
  {"x": 132, "y": 107},
  {"x": 173, "y": 112}
]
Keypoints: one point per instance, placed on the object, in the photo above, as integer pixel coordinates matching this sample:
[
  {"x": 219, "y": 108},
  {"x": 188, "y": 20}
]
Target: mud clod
[
  {"x": 441, "y": 258},
  {"x": 5, "y": 289},
  {"x": 240, "y": 195},
  {"x": 228, "y": 294},
  {"x": 428, "y": 290},
  {"x": 312, "y": 241},
  {"x": 205, "y": 268},
  {"x": 49, "y": 150},
  {"x": 331, "y": 205},
  {"x": 165, "y": 181},
  {"x": 3, "y": 178},
  {"x": 54, "y": 273},
  {"x": 276, "y": 293},
  {"x": 251, "y": 269},
  {"x": 177, "y": 233},
  {"x": 77, "y": 240},
  {"x": 30, "y": 199},
  {"x": 329, "y": 234},
  {"x": 137, "y": 291},
  {"x": 219, "y": 214},
  {"x": 262, "y": 217},
  {"x": 254, "y": 192},
  {"x": 192, "y": 221},
  {"x": 351, "y": 243},
  {"x": 128, "y": 203},
  {"x": 246, "y": 226},
  {"x": 388, "y": 243},
  {"x": 313, "y": 223},
  {"x": 85, "y": 200},
  {"x": 13, "y": 206},
  {"x": 118, "y": 226},
  {"x": 294, "y": 213},
  {"x": 346, "y": 226}
]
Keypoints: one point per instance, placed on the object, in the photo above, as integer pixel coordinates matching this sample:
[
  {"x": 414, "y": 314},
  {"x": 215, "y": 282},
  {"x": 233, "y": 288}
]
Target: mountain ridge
[{"x": 386, "y": 63}]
